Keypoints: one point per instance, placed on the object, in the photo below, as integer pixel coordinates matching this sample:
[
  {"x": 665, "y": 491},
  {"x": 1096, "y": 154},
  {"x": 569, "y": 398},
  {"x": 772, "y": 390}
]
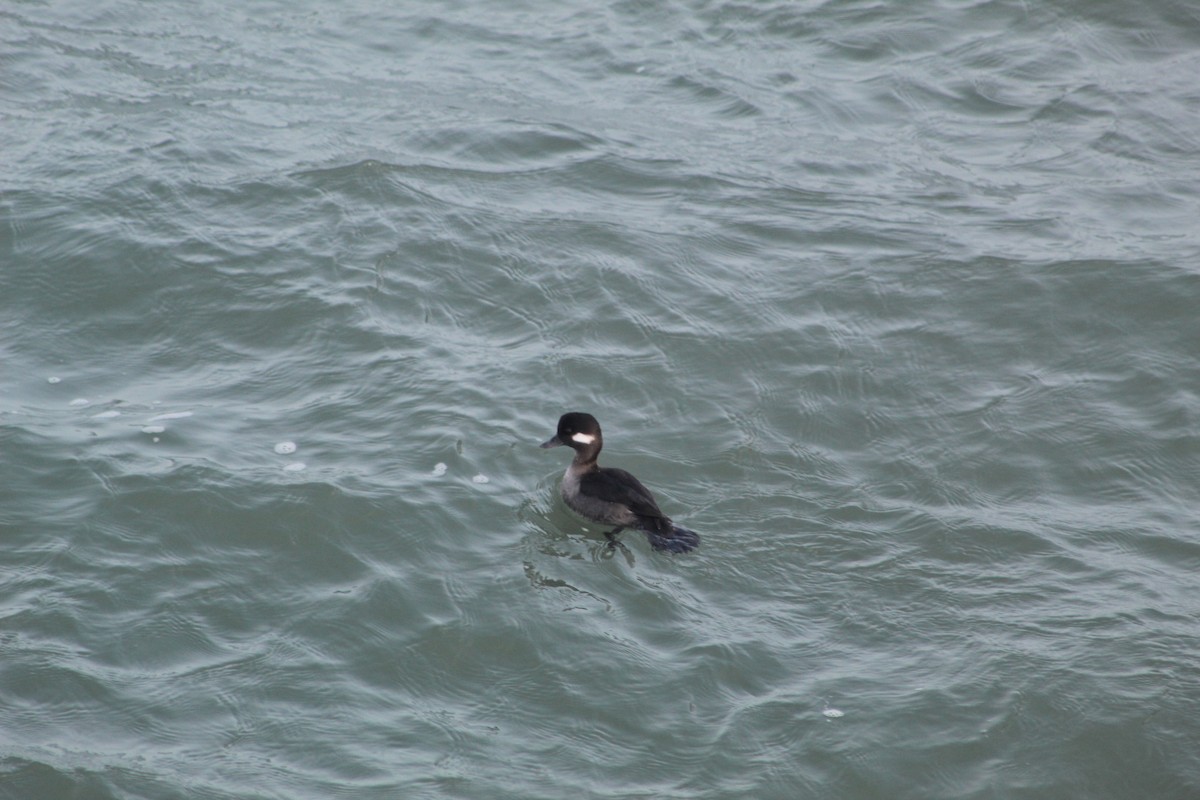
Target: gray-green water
[{"x": 894, "y": 303}]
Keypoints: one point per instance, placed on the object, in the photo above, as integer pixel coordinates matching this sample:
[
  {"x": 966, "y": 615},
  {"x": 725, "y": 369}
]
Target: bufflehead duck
[{"x": 612, "y": 496}]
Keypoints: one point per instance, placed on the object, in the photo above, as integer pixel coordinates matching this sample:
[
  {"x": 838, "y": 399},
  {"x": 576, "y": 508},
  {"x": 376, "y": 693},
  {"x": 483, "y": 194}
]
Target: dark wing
[{"x": 618, "y": 486}]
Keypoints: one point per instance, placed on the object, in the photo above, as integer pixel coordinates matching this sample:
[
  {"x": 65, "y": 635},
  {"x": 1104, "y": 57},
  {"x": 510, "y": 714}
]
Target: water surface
[{"x": 895, "y": 304}]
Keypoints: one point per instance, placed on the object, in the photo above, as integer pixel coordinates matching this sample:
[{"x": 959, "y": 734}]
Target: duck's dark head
[{"x": 578, "y": 431}]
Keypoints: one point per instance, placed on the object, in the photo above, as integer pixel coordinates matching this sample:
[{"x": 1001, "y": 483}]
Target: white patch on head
[{"x": 583, "y": 438}]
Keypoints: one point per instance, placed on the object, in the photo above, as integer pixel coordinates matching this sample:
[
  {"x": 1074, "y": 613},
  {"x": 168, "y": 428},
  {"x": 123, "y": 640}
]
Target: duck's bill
[{"x": 553, "y": 441}]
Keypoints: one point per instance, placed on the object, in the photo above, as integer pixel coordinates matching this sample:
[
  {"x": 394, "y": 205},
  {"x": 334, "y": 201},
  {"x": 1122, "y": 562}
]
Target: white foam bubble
[
  {"x": 833, "y": 713},
  {"x": 295, "y": 466},
  {"x": 172, "y": 415},
  {"x": 480, "y": 478},
  {"x": 439, "y": 469},
  {"x": 80, "y": 401},
  {"x": 54, "y": 379},
  {"x": 106, "y": 415},
  {"x": 153, "y": 429},
  {"x": 285, "y": 448}
]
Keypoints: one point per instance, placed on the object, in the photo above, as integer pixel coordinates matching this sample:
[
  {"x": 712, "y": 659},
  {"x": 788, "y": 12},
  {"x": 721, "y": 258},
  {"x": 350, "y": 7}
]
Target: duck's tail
[{"x": 676, "y": 540}]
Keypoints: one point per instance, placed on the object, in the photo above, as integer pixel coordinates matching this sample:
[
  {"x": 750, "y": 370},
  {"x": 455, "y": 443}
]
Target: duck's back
[{"x": 616, "y": 497}]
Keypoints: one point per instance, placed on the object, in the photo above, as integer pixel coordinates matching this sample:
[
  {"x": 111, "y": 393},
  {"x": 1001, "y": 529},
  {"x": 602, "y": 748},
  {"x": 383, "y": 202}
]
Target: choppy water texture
[{"x": 894, "y": 303}]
